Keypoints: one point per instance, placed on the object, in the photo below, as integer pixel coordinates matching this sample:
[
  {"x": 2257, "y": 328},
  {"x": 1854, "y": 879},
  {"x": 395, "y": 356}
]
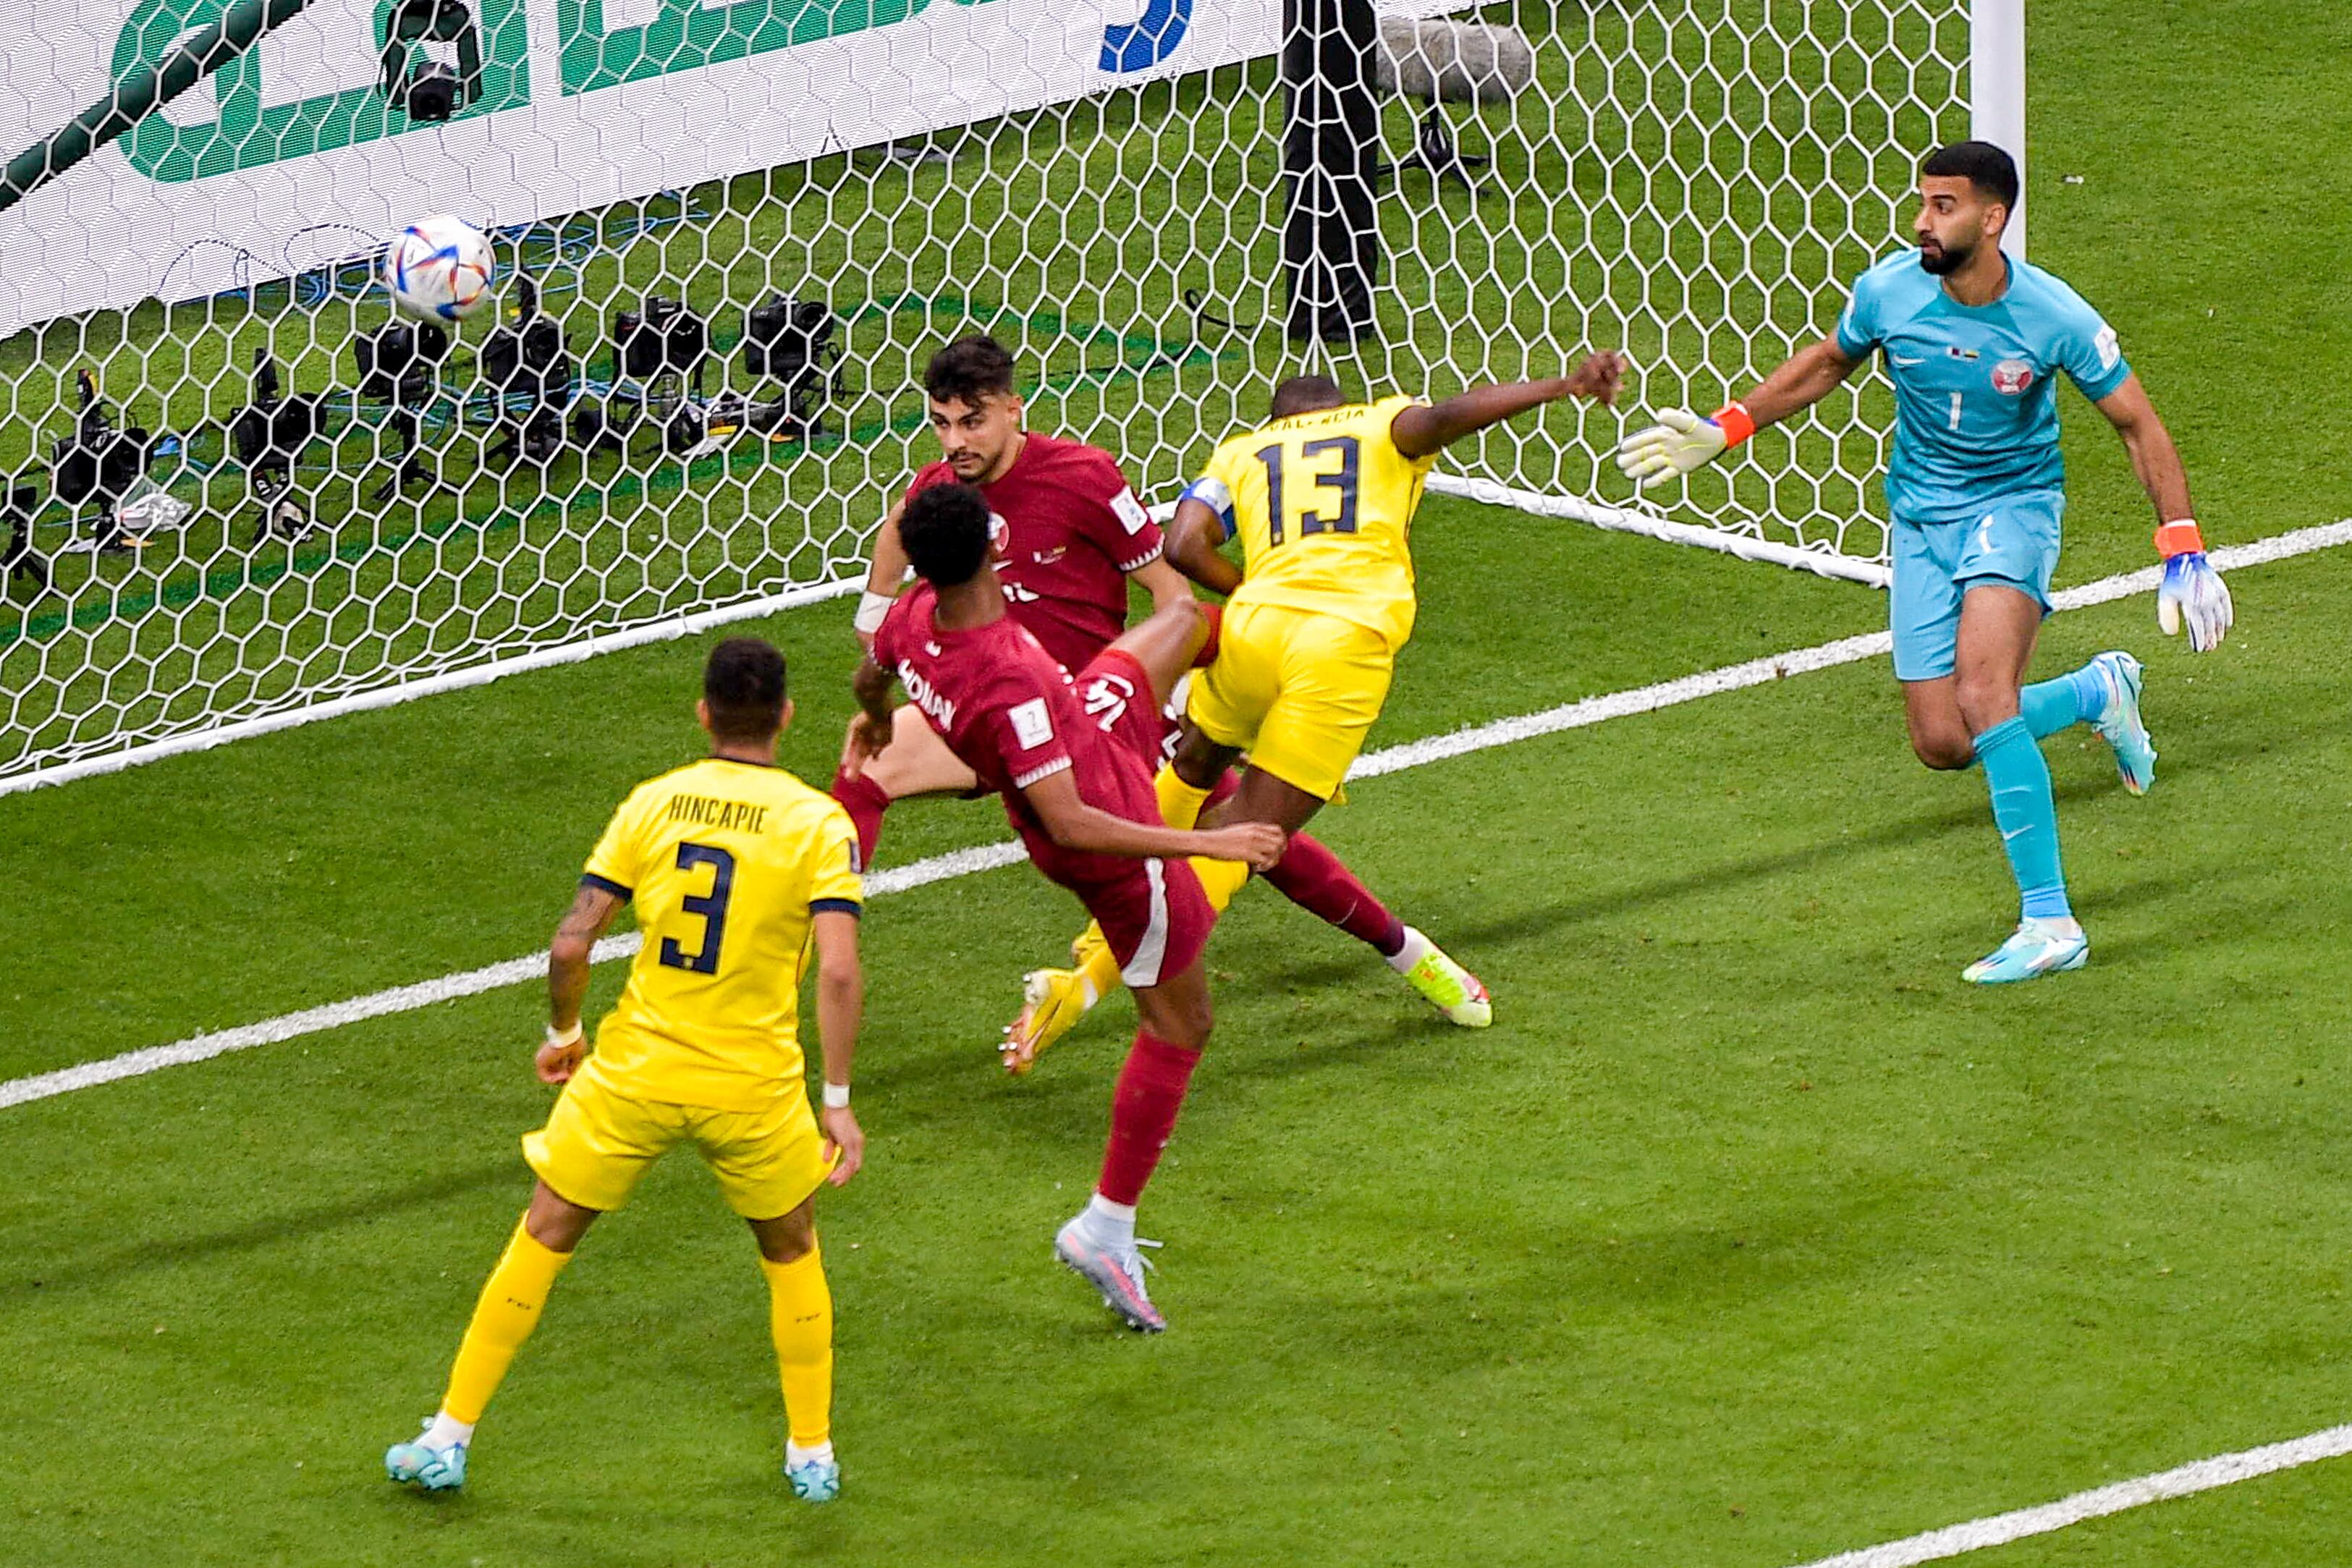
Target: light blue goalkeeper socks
[
  {"x": 2077, "y": 697},
  {"x": 2026, "y": 814}
]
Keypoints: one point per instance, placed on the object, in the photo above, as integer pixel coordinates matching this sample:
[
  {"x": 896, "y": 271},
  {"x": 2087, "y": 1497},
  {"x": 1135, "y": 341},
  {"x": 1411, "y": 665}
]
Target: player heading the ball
[
  {"x": 1973, "y": 341},
  {"x": 1322, "y": 497}
]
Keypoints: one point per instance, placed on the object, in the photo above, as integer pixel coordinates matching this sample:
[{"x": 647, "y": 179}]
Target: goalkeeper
[{"x": 1972, "y": 341}]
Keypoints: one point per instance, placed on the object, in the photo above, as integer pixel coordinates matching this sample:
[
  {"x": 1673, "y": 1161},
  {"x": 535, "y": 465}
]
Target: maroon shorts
[{"x": 1152, "y": 912}]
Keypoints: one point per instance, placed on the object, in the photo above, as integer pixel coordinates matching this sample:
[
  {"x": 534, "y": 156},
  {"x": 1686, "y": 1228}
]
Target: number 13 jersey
[
  {"x": 1324, "y": 503},
  {"x": 726, "y": 863}
]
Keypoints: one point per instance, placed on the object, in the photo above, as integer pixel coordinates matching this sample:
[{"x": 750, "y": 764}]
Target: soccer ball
[{"x": 439, "y": 269}]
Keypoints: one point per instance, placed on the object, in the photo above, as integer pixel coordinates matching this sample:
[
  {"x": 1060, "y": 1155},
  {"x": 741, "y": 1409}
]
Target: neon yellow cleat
[
  {"x": 1444, "y": 984},
  {"x": 1052, "y": 1001}
]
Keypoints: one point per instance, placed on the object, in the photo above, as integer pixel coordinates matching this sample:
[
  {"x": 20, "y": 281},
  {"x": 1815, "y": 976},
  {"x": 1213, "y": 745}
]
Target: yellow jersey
[
  {"x": 726, "y": 863},
  {"x": 1324, "y": 505}
]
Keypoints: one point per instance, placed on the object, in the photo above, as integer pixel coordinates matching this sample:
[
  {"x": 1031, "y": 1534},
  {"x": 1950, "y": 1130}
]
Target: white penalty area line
[
  {"x": 988, "y": 857},
  {"x": 2186, "y": 1480}
]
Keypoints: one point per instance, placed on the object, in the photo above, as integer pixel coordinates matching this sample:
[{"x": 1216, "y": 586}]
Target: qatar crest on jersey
[{"x": 2012, "y": 377}]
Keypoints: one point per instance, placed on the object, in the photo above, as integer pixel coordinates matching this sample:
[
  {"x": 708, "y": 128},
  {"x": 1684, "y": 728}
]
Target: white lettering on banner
[{"x": 268, "y": 157}]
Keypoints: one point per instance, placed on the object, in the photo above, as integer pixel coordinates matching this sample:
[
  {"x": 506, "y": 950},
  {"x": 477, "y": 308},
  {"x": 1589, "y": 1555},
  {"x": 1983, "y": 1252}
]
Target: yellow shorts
[
  {"x": 1296, "y": 689},
  {"x": 598, "y": 1144}
]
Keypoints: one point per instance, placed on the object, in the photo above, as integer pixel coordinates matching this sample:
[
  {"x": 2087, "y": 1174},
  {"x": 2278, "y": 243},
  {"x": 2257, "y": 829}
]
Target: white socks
[
  {"x": 795, "y": 1456},
  {"x": 1416, "y": 948},
  {"x": 1112, "y": 1224},
  {"x": 445, "y": 1431}
]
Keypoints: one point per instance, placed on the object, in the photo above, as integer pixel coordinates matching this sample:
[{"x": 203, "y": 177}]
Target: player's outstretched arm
[
  {"x": 1424, "y": 430},
  {"x": 1198, "y": 526},
  {"x": 2192, "y": 592},
  {"x": 592, "y": 910},
  {"x": 884, "y": 578},
  {"x": 1680, "y": 440},
  {"x": 840, "y": 1006},
  {"x": 1074, "y": 825}
]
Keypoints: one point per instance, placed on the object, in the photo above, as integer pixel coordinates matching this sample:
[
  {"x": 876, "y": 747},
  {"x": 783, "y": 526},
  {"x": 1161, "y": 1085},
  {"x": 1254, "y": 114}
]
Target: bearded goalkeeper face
[{"x": 1956, "y": 221}]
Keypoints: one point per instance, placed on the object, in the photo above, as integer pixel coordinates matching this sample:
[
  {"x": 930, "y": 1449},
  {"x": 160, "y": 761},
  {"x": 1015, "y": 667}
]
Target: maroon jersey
[
  {"x": 1015, "y": 716},
  {"x": 1073, "y": 530}
]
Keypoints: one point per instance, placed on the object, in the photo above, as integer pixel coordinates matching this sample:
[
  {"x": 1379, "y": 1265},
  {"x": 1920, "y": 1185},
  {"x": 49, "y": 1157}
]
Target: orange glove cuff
[
  {"x": 1736, "y": 423},
  {"x": 2178, "y": 539}
]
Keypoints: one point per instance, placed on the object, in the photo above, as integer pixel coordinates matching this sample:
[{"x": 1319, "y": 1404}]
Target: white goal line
[{"x": 988, "y": 857}]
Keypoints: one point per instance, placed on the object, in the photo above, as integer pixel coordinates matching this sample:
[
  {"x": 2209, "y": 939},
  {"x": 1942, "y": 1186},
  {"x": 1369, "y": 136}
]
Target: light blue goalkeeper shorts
[{"x": 2013, "y": 542}]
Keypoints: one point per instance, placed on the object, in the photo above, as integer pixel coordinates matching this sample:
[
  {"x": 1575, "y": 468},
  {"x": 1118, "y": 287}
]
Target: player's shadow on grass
[{"x": 35, "y": 1277}]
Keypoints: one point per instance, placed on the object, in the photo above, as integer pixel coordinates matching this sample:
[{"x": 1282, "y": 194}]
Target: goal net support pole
[
  {"x": 1331, "y": 151},
  {"x": 1996, "y": 93}
]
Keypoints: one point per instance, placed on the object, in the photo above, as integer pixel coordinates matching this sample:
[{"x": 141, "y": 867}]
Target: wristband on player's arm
[
  {"x": 1736, "y": 423},
  {"x": 560, "y": 1038},
  {"x": 836, "y": 1096},
  {"x": 871, "y": 607},
  {"x": 2179, "y": 536}
]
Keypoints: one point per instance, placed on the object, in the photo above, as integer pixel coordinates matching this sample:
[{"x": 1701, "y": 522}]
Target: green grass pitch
[{"x": 1747, "y": 1236}]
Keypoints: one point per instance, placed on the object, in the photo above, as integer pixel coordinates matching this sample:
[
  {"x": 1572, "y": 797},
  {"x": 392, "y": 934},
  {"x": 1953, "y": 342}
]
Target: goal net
[{"x": 729, "y": 235}]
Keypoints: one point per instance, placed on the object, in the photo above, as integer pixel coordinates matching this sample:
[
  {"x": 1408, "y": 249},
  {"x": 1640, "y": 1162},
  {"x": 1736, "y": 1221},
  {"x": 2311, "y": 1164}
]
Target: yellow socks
[
  {"x": 503, "y": 1318},
  {"x": 1219, "y": 880},
  {"x": 800, "y": 1317},
  {"x": 1180, "y": 803}
]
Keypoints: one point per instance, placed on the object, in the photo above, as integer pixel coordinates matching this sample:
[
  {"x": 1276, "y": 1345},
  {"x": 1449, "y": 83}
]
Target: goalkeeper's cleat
[
  {"x": 433, "y": 1469},
  {"x": 2120, "y": 723},
  {"x": 1447, "y": 984},
  {"x": 815, "y": 1480},
  {"x": 1052, "y": 1001},
  {"x": 2037, "y": 947},
  {"x": 1114, "y": 1271}
]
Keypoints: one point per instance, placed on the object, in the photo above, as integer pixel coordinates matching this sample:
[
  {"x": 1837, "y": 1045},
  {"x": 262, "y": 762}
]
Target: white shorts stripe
[{"x": 1143, "y": 969}]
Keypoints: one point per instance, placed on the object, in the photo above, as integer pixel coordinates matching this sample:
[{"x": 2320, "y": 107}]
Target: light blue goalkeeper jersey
[{"x": 1975, "y": 415}]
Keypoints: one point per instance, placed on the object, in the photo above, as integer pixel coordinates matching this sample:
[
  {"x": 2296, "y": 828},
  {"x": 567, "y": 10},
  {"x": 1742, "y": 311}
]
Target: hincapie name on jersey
[{"x": 713, "y": 813}]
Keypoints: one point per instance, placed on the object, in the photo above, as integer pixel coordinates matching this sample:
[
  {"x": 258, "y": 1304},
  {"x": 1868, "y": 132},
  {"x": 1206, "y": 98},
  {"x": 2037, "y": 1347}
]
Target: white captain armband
[{"x": 1211, "y": 492}]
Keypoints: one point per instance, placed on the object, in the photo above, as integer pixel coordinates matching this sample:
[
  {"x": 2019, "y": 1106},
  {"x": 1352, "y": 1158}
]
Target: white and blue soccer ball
[{"x": 440, "y": 269}]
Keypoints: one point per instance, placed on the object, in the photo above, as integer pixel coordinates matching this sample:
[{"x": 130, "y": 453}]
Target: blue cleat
[
  {"x": 2119, "y": 722},
  {"x": 2035, "y": 948},
  {"x": 815, "y": 1480},
  {"x": 434, "y": 1470}
]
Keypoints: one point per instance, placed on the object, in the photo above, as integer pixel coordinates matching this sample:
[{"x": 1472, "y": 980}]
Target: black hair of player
[
  {"x": 1992, "y": 170},
  {"x": 944, "y": 531},
  {"x": 968, "y": 371},
  {"x": 743, "y": 687},
  {"x": 1306, "y": 395}
]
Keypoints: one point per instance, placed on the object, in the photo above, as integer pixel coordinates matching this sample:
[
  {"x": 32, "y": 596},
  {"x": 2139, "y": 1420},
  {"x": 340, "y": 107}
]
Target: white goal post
[{"x": 729, "y": 235}]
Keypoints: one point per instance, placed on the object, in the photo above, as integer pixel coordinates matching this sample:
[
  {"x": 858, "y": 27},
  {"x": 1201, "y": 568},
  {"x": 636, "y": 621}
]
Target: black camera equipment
[
  {"x": 427, "y": 90},
  {"x": 100, "y": 464},
  {"x": 269, "y": 436},
  {"x": 528, "y": 364},
  {"x": 18, "y": 555},
  {"x": 400, "y": 364},
  {"x": 792, "y": 342},
  {"x": 661, "y": 347}
]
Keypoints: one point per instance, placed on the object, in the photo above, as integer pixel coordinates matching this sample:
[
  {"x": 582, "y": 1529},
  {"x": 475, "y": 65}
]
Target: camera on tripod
[
  {"x": 269, "y": 436},
  {"x": 792, "y": 342},
  {"x": 399, "y": 363},
  {"x": 100, "y": 464},
  {"x": 661, "y": 347},
  {"x": 530, "y": 364},
  {"x": 426, "y": 90}
]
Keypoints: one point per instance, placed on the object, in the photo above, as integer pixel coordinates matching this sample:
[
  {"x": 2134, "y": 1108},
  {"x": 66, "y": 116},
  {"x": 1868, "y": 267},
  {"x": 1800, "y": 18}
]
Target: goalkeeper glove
[
  {"x": 2191, "y": 592},
  {"x": 1681, "y": 441}
]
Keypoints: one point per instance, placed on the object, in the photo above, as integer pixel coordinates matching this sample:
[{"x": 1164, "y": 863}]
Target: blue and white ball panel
[
  {"x": 2014, "y": 542},
  {"x": 1975, "y": 411}
]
